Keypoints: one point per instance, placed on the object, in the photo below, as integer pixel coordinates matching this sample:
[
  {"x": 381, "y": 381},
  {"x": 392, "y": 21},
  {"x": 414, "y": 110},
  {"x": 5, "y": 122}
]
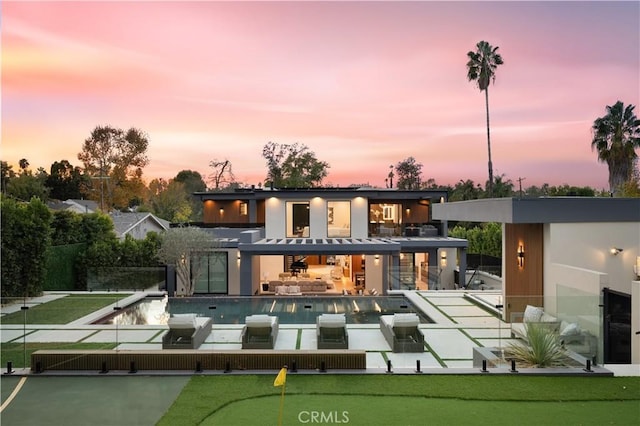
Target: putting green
[{"x": 411, "y": 410}]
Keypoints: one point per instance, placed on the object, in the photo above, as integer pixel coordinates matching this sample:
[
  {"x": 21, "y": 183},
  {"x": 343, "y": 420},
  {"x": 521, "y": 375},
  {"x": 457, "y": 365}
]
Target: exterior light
[
  {"x": 521, "y": 256},
  {"x": 615, "y": 250},
  {"x": 443, "y": 259}
]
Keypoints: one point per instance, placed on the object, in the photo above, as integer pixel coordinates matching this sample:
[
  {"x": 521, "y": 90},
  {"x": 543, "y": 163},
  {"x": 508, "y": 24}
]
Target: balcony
[{"x": 388, "y": 230}]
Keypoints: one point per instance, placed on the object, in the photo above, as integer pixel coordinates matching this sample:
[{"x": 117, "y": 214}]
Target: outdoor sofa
[
  {"x": 301, "y": 286},
  {"x": 186, "y": 331},
  {"x": 402, "y": 333},
  {"x": 569, "y": 334},
  {"x": 260, "y": 332},
  {"x": 331, "y": 331}
]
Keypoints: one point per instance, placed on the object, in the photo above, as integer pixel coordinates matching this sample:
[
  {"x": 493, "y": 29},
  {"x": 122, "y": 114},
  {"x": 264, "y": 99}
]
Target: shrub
[{"x": 543, "y": 349}]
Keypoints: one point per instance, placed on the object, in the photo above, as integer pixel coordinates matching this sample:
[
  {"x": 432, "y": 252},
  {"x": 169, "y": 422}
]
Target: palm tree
[
  {"x": 481, "y": 68},
  {"x": 616, "y": 136}
]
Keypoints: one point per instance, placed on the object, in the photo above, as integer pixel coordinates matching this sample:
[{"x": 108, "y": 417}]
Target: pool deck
[{"x": 460, "y": 325}]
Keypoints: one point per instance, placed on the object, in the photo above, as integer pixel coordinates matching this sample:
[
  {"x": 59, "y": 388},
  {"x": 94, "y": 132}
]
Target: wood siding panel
[{"x": 523, "y": 285}]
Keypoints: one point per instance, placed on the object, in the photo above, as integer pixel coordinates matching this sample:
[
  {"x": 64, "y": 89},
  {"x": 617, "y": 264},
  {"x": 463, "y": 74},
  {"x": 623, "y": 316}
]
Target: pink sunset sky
[{"x": 362, "y": 84}]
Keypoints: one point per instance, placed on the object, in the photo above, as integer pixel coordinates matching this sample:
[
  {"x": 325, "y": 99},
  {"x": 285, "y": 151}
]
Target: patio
[{"x": 459, "y": 326}]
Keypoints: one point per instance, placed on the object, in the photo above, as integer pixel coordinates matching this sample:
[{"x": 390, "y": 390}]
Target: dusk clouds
[{"x": 363, "y": 84}]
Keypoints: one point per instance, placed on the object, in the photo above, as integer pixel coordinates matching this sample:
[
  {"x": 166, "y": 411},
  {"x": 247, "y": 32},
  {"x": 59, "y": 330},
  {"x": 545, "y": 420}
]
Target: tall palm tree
[
  {"x": 481, "y": 68},
  {"x": 616, "y": 136}
]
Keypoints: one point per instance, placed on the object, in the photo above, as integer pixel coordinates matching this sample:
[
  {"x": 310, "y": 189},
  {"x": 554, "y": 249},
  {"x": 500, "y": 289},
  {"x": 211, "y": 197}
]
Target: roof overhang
[
  {"x": 326, "y": 193},
  {"x": 541, "y": 210},
  {"x": 309, "y": 246},
  {"x": 320, "y": 246}
]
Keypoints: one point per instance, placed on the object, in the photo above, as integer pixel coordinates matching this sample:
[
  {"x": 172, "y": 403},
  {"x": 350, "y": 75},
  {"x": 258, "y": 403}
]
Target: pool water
[{"x": 289, "y": 310}]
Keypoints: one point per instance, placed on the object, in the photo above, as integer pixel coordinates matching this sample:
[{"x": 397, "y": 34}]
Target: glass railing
[
  {"x": 564, "y": 329},
  {"x": 493, "y": 325},
  {"x": 388, "y": 229}
]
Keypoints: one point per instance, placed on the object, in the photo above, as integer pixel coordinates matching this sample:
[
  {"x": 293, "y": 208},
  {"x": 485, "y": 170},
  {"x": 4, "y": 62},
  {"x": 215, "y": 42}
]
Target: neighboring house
[
  {"x": 577, "y": 257},
  {"x": 76, "y": 206},
  {"x": 138, "y": 225},
  {"x": 381, "y": 239}
]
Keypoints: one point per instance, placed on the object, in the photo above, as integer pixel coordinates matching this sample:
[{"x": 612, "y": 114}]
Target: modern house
[
  {"x": 318, "y": 239},
  {"x": 138, "y": 225},
  {"x": 577, "y": 257}
]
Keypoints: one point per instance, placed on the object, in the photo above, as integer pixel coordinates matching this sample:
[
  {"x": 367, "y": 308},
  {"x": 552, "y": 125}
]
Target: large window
[
  {"x": 385, "y": 219},
  {"x": 297, "y": 219},
  {"x": 212, "y": 272},
  {"x": 338, "y": 219}
]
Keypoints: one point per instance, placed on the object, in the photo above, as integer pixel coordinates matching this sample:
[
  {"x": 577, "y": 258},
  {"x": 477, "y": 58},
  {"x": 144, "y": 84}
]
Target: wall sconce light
[
  {"x": 520, "y": 256},
  {"x": 408, "y": 211},
  {"x": 238, "y": 255},
  {"x": 636, "y": 267},
  {"x": 615, "y": 250},
  {"x": 221, "y": 211},
  {"x": 376, "y": 257},
  {"x": 443, "y": 259}
]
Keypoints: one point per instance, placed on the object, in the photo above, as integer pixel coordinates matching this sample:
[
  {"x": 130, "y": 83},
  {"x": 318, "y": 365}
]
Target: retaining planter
[{"x": 101, "y": 360}]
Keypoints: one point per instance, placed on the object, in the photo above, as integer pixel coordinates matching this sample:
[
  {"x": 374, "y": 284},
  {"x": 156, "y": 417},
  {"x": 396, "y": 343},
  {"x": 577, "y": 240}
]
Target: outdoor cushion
[
  {"x": 547, "y": 318},
  {"x": 532, "y": 314},
  {"x": 182, "y": 321},
  {"x": 569, "y": 329},
  {"x": 332, "y": 320},
  {"x": 405, "y": 320},
  {"x": 258, "y": 320}
]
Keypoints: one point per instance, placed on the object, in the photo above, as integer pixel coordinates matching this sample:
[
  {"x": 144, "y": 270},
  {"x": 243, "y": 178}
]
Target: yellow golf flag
[{"x": 281, "y": 378}]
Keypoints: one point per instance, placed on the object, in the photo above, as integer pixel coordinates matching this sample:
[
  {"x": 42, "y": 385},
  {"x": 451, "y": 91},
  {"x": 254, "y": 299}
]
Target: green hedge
[
  {"x": 60, "y": 273},
  {"x": 125, "y": 278}
]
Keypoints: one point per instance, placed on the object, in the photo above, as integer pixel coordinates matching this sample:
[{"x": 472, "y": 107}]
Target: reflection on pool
[{"x": 290, "y": 310}]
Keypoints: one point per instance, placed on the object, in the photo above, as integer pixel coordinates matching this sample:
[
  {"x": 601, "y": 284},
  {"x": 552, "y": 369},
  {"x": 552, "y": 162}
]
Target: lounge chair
[
  {"x": 402, "y": 333},
  {"x": 186, "y": 331},
  {"x": 331, "y": 331},
  {"x": 259, "y": 332}
]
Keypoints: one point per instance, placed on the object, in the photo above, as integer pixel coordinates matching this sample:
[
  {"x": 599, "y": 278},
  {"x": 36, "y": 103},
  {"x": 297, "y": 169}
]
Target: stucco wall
[
  {"x": 588, "y": 245},
  {"x": 276, "y": 212},
  {"x": 275, "y": 218}
]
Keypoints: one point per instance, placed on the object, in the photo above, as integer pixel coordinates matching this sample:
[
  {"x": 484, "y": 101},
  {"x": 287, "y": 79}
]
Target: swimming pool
[{"x": 289, "y": 310}]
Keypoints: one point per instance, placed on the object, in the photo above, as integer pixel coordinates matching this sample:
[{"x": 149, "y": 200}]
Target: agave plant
[{"x": 543, "y": 350}]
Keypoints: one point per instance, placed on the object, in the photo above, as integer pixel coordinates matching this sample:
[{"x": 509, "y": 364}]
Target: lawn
[
  {"x": 63, "y": 310},
  {"x": 407, "y": 400}
]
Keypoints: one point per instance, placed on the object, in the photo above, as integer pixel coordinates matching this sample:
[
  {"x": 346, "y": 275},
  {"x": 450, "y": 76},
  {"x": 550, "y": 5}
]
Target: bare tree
[
  {"x": 184, "y": 248},
  {"x": 222, "y": 174}
]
